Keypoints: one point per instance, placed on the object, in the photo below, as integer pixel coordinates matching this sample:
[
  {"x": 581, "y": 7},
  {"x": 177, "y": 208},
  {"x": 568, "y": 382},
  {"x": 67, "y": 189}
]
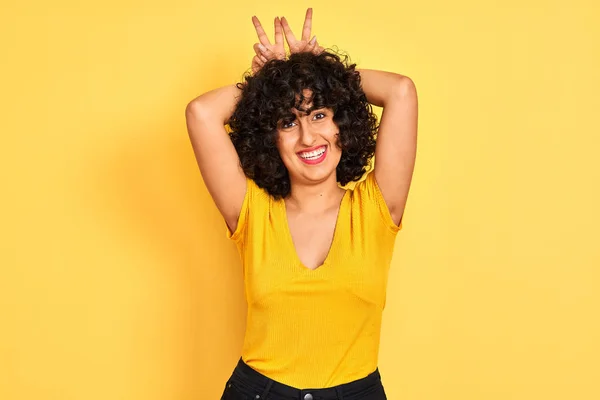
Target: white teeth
[{"x": 313, "y": 154}]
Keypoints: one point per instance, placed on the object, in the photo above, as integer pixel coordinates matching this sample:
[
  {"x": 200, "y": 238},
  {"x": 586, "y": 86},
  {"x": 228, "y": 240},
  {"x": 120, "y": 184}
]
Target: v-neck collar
[{"x": 290, "y": 240}]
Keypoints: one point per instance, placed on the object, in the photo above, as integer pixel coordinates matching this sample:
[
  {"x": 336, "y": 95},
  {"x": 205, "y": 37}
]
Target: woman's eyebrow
[
  {"x": 308, "y": 110},
  {"x": 287, "y": 118}
]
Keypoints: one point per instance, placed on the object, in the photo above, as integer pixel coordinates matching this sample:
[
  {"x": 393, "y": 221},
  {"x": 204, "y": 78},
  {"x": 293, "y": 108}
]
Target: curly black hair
[{"x": 268, "y": 96}]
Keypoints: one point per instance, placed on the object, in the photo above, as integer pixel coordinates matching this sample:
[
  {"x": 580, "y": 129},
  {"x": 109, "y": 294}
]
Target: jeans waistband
[{"x": 267, "y": 385}]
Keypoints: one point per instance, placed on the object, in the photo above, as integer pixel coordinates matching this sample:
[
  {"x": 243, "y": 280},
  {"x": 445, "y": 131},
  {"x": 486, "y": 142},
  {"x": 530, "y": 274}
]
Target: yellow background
[{"x": 117, "y": 281}]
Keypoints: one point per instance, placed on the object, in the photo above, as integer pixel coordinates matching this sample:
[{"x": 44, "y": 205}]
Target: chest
[
  {"x": 312, "y": 236},
  {"x": 294, "y": 255}
]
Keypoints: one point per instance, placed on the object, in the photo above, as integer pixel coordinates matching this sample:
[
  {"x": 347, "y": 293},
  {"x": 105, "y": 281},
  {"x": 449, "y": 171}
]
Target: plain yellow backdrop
[{"x": 118, "y": 282}]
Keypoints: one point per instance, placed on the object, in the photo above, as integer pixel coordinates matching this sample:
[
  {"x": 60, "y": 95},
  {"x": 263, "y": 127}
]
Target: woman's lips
[{"x": 314, "y": 161}]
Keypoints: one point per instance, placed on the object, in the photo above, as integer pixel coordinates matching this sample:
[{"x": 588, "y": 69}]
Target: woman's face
[{"x": 307, "y": 143}]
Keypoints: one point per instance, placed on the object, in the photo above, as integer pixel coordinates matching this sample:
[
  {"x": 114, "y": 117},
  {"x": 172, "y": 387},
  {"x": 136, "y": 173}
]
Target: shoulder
[
  {"x": 257, "y": 202},
  {"x": 368, "y": 198}
]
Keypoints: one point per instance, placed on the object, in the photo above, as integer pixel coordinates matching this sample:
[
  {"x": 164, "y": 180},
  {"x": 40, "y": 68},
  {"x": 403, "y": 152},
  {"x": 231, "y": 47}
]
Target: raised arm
[
  {"x": 396, "y": 147},
  {"x": 217, "y": 158},
  {"x": 206, "y": 117}
]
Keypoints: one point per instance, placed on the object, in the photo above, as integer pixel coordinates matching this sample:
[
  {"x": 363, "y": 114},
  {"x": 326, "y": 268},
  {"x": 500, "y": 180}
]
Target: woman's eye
[
  {"x": 287, "y": 124},
  {"x": 322, "y": 115}
]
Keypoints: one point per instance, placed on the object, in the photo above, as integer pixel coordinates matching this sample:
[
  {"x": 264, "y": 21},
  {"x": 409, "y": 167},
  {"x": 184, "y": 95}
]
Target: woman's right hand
[{"x": 264, "y": 50}]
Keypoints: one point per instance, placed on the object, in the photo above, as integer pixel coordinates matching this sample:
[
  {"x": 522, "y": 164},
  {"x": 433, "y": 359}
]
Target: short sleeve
[
  {"x": 243, "y": 217},
  {"x": 370, "y": 192}
]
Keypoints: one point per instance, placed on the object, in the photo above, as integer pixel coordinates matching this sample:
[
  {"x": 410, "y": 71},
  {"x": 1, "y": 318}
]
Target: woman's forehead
[
  {"x": 299, "y": 113},
  {"x": 307, "y": 102}
]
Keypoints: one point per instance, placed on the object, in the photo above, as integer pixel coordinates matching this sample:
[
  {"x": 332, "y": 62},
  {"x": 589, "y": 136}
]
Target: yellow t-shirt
[{"x": 315, "y": 328}]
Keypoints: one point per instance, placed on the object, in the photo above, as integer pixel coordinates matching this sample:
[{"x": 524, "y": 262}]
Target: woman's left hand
[{"x": 304, "y": 44}]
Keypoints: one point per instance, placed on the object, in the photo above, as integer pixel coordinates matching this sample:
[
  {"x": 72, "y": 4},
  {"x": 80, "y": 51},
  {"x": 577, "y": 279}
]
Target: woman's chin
[{"x": 315, "y": 174}]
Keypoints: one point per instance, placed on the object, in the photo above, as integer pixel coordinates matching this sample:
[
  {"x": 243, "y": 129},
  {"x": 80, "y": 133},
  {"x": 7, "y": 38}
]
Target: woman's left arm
[{"x": 396, "y": 148}]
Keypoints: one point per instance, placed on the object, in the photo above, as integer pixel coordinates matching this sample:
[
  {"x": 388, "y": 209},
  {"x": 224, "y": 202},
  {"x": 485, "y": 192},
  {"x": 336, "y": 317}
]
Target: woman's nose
[{"x": 308, "y": 135}]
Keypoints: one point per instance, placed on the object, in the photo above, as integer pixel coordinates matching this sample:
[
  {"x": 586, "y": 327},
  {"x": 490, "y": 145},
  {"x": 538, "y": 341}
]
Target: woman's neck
[{"x": 315, "y": 198}]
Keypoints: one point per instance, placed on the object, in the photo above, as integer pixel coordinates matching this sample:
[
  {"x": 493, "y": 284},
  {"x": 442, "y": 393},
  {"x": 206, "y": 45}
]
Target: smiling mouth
[{"x": 314, "y": 156}]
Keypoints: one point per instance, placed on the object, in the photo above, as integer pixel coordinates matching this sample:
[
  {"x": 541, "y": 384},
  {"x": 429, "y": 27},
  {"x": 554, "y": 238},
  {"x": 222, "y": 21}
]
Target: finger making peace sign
[
  {"x": 266, "y": 51},
  {"x": 304, "y": 44}
]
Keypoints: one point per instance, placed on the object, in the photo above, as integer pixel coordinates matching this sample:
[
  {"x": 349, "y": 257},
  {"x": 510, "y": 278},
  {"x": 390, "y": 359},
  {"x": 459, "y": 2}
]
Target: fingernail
[
  {"x": 314, "y": 39},
  {"x": 263, "y": 48}
]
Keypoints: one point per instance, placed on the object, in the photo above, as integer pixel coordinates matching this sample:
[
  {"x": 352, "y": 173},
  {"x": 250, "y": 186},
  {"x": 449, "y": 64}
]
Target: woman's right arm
[
  {"x": 207, "y": 115},
  {"x": 215, "y": 154}
]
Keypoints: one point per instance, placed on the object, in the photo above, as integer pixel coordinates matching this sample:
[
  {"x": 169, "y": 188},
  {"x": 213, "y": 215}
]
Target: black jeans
[{"x": 248, "y": 384}]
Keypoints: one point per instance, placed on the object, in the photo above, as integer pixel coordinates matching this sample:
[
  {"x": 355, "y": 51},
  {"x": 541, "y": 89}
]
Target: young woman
[{"x": 315, "y": 255}]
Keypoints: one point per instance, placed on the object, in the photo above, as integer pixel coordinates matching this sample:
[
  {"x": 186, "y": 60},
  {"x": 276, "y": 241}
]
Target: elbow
[
  {"x": 404, "y": 90},
  {"x": 193, "y": 109},
  {"x": 405, "y": 86}
]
